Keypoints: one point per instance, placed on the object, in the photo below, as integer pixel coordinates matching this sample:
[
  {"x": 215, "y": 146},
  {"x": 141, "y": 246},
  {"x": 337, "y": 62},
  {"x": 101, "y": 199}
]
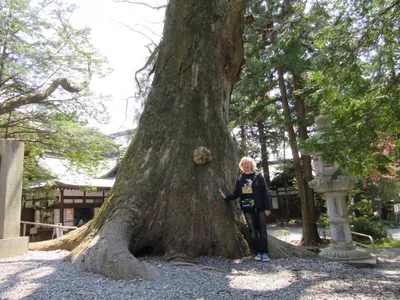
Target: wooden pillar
[{"x": 62, "y": 206}]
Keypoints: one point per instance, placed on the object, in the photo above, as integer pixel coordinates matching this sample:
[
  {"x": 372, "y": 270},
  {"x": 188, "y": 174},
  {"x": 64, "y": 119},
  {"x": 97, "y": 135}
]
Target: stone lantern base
[
  {"x": 336, "y": 253},
  {"x": 356, "y": 257}
]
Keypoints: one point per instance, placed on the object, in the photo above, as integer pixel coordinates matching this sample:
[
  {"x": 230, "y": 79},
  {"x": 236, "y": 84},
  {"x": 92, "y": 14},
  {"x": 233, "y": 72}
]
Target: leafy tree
[
  {"x": 379, "y": 193},
  {"x": 356, "y": 81},
  {"x": 45, "y": 68},
  {"x": 255, "y": 113},
  {"x": 277, "y": 56},
  {"x": 339, "y": 59}
]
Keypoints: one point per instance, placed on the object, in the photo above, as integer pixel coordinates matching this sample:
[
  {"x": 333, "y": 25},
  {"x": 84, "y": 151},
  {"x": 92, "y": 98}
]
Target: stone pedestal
[
  {"x": 15, "y": 246},
  {"x": 11, "y": 171},
  {"x": 335, "y": 189}
]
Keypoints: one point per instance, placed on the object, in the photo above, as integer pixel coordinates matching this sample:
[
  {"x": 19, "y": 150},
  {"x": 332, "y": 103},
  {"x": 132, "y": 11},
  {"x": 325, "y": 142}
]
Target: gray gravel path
[{"x": 43, "y": 275}]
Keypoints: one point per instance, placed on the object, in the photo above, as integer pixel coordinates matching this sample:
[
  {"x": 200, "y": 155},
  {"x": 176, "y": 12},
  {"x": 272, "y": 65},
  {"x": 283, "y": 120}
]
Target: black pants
[{"x": 257, "y": 223}]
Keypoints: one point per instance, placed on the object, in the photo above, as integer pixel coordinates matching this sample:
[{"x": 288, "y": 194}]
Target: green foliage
[
  {"x": 387, "y": 243},
  {"x": 70, "y": 139},
  {"x": 323, "y": 221},
  {"x": 40, "y": 53},
  {"x": 355, "y": 81},
  {"x": 282, "y": 234},
  {"x": 375, "y": 194},
  {"x": 88, "y": 189},
  {"x": 363, "y": 208},
  {"x": 369, "y": 226},
  {"x": 38, "y": 47},
  {"x": 347, "y": 55},
  {"x": 255, "y": 97}
]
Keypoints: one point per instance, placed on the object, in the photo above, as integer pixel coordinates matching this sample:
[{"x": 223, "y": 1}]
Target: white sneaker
[
  {"x": 258, "y": 256},
  {"x": 265, "y": 257}
]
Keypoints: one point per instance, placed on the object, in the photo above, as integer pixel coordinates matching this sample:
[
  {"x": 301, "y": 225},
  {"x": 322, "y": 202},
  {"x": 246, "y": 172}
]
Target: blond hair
[{"x": 247, "y": 158}]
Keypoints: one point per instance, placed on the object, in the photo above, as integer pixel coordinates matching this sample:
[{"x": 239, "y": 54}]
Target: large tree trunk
[{"x": 165, "y": 200}]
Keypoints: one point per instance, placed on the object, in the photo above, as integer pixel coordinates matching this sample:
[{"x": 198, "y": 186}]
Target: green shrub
[
  {"x": 322, "y": 221},
  {"x": 387, "y": 243},
  {"x": 369, "y": 226},
  {"x": 363, "y": 208}
]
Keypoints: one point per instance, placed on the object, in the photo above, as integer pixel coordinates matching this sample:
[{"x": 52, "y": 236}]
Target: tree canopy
[
  {"x": 46, "y": 66},
  {"x": 346, "y": 56}
]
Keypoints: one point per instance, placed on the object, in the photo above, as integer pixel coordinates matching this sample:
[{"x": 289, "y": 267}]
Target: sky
[{"x": 125, "y": 50}]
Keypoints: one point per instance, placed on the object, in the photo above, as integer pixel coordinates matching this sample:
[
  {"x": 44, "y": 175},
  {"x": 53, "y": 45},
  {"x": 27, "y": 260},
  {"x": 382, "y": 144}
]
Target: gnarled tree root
[
  {"x": 68, "y": 241},
  {"x": 280, "y": 249},
  {"x": 107, "y": 253}
]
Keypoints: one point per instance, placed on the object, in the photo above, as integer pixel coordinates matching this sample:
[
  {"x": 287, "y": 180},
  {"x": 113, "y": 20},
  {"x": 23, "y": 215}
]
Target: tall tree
[
  {"x": 356, "y": 82},
  {"x": 46, "y": 66},
  {"x": 165, "y": 198},
  {"x": 253, "y": 108},
  {"x": 278, "y": 41}
]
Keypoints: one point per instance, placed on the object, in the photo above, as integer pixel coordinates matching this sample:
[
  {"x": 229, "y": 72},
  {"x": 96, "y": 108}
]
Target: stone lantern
[{"x": 335, "y": 189}]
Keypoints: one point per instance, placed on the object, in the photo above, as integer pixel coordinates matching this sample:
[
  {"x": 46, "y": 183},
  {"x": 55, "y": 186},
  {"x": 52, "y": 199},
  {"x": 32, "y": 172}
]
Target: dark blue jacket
[{"x": 260, "y": 192}]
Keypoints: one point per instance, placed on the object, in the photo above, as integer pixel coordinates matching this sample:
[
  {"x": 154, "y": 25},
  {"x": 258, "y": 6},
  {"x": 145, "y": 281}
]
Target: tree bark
[
  {"x": 243, "y": 140},
  {"x": 298, "y": 170},
  {"x": 165, "y": 198},
  {"x": 264, "y": 151},
  {"x": 310, "y": 233}
]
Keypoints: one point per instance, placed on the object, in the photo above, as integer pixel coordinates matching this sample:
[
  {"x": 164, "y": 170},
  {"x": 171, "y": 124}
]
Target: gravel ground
[{"x": 43, "y": 275}]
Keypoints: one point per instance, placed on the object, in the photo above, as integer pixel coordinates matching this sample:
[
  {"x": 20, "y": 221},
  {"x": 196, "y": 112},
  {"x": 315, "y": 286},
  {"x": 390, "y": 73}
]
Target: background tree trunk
[
  {"x": 163, "y": 202},
  {"x": 310, "y": 232},
  {"x": 264, "y": 151},
  {"x": 243, "y": 140}
]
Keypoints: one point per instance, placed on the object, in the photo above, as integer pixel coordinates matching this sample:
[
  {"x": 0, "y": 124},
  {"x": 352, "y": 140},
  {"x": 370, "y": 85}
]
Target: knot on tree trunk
[{"x": 201, "y": 155}]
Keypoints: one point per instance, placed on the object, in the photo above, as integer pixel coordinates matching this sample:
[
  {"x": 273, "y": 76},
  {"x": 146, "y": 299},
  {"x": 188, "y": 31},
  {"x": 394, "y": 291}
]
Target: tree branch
[
  {"x": 42, "y": 133},
  {"x": 385, "y": 10},
  {"x": 7, "y": 107},
  {"x": 156, "y": 34},
  {"x": 149, "y": 61},
  {"x": 134, "y": 30},
  {"x": 141, "y": 3}
]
